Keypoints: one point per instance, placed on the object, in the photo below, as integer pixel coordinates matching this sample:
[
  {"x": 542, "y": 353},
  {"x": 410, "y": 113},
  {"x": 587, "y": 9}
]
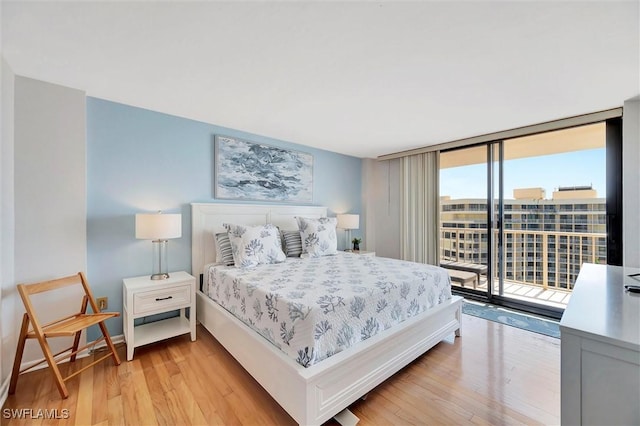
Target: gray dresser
[{"x": 600, "y": 349}]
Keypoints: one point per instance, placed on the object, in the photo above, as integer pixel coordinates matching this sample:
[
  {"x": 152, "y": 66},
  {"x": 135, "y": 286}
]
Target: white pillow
[
  {"x": 318, "y": 236},
  {"x": 255, "y": 245}
]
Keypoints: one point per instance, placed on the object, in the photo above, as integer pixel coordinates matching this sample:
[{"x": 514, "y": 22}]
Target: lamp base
[
  {"x": 160, "y": 271},
  {"x": 162, "y": 276},
  {"x": 347, "y": 235}
]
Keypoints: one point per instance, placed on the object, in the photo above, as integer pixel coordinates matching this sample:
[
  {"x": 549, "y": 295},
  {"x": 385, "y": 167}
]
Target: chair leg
[
  {"x": 107, "y": 339},
  {"x": 62, "y": 388},
  {"x": 19, "y": 351},
  {"x": 76, "y": 339},
  {"x": 76, "y": 343}
]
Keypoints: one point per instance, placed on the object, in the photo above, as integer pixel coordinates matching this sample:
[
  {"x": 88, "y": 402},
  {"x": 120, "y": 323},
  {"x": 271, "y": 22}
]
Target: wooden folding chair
[{"x": 71, "y": 325}]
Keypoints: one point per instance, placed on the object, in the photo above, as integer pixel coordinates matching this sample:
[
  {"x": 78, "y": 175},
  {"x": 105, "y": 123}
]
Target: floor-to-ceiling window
[{"x": 546, "y": 195}]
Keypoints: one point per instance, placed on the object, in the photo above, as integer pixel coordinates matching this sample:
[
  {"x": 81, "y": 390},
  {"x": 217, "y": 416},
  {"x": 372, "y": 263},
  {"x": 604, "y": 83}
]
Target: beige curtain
[{"x": 420, "y": 204}]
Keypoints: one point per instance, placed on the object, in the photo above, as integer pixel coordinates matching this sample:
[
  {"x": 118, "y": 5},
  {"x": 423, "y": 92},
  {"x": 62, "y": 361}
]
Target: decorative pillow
[
  {"x": 223, "y": 249},
  {"x": 255, "y": 245},
  {"x": 292, "y": 243},
  {"x": 318, "y": 236}
]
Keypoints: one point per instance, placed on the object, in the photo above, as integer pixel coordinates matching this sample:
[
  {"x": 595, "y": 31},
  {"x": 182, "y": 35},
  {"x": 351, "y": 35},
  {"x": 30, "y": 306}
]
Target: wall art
[{"x": 252, "y": 171}]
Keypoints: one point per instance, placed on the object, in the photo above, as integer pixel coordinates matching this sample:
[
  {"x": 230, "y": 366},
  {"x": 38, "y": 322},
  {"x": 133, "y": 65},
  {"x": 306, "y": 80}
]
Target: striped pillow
[
  {"x": 292, "y": 243},
  {"x": 223, "y": 249}
]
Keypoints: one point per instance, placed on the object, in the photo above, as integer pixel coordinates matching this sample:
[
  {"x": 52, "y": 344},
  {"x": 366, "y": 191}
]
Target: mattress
[{"x": 314, "y": 308}]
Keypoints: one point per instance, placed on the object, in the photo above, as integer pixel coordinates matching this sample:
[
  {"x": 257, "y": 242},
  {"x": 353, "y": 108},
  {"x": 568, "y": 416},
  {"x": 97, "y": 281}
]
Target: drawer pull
[{"x": 163, "y": 298}]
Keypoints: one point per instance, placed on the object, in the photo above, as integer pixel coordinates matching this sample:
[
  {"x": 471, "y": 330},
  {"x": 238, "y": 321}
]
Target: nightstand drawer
[{"x": 162, "y": 299}]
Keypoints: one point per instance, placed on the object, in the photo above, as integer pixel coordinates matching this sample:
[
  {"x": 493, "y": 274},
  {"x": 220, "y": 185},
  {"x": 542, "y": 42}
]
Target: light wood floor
[{"x": 493, "y": 374}]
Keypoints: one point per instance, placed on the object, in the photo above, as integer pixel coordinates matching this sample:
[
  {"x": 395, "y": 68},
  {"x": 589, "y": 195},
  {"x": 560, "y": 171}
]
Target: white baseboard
[{"x": 115, "y": 339}]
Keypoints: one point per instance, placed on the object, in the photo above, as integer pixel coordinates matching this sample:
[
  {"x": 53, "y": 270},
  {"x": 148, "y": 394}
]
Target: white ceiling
[{"x": 359, "y": 78}]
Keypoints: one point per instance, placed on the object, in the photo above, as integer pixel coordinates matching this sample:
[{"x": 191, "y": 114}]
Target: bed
[{"x": 314, "y": 390}]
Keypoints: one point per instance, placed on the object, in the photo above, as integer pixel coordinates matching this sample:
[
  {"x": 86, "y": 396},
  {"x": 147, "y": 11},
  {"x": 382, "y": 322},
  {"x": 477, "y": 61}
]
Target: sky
[{"x": 578, "y": 168}]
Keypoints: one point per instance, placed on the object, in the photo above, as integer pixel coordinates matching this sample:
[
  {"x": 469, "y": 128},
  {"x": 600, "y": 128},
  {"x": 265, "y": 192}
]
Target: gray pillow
[
  {"x": 223, "y": 249},
  {"x": 292, "y": 243}
]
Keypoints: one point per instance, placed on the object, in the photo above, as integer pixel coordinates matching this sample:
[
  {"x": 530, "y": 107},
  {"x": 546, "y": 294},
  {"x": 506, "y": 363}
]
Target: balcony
[
  {"x": 539, "y": 271},
  {"x": 533, "y": 293}
]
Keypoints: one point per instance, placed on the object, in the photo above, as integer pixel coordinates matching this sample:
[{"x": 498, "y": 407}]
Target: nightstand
[
  {"x": 364, "y": 253},
  {"x": 143, "y": 297}
]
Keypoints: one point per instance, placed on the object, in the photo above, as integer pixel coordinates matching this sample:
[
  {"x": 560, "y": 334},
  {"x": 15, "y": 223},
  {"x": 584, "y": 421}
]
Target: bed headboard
[{"x": 207, "y": 220}]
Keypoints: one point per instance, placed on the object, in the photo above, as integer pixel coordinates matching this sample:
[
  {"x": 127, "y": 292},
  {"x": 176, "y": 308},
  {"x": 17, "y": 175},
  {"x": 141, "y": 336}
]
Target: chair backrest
[
  {"x": 43, "y": 286},
  {"x": 27, "y": 290}
]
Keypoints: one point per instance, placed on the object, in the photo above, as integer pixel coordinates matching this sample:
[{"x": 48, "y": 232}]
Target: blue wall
[{"x": 143, "y": 161}]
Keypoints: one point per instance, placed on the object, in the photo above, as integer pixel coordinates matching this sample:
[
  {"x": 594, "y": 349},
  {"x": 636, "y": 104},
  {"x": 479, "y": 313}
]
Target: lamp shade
[
  {"x": 158, "y": 226},
  {"x": 348, "y": 221}
]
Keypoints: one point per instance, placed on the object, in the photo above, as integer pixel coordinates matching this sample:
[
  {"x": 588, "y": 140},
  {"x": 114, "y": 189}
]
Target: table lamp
[
  {"x": 159, "y": 228},
  {"x": 348, "y": 222}
]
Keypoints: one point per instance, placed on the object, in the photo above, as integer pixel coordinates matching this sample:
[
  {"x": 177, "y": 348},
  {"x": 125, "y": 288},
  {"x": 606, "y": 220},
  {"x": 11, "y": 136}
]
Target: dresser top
[
  {"x": 146, "y": 281},
  {"x": 600, "y": 306}
]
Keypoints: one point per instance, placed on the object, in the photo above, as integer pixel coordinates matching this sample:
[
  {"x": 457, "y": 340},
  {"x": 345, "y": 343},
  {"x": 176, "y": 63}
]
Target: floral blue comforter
[{"x": 314, "y": 308}]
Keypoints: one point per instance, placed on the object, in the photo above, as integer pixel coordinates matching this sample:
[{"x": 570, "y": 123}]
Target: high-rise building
[{"x": 545, "y": 240}]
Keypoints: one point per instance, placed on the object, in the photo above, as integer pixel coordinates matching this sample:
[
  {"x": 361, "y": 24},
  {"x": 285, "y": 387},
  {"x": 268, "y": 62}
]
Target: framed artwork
[{"x": 252, "y": 171}]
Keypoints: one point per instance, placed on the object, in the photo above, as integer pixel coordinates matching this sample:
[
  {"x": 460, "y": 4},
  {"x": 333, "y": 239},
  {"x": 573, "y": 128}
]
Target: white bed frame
[{"x": 315, "y": 394}]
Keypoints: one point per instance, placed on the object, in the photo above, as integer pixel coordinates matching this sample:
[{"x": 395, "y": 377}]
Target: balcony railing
[{"x": 549, "y": 259}]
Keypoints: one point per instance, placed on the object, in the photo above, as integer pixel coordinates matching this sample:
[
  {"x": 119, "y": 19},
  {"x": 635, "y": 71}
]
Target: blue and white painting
[{"x": 251, "y": 171}]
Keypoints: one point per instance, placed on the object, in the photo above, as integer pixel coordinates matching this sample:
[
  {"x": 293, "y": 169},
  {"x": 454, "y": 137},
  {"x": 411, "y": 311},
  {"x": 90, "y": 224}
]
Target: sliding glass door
[
  {"x": 553, "y": 197},
  {"x": 464, "y": 239},
  {"x": 525, "y": 214}
]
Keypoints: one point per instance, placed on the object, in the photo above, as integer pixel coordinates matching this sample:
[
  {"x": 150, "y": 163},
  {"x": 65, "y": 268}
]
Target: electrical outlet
[{"x": 103, "y": 303}]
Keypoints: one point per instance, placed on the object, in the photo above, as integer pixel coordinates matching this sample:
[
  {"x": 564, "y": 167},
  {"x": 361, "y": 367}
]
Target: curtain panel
[{"x": 419, "y": 209}]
